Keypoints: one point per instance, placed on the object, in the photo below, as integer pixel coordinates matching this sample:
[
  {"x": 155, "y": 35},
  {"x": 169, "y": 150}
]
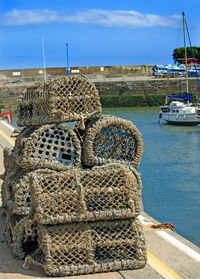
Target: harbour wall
[
  {"x": 97, "y": 72},
  {"x": 146, "y": 86},
  {"x": 144, "y": 92},
  {"x": 140, "y": 92}
]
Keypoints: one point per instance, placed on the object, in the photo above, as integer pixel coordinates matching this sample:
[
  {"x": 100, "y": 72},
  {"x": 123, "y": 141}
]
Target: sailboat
[{"x": 180, "y": 111}]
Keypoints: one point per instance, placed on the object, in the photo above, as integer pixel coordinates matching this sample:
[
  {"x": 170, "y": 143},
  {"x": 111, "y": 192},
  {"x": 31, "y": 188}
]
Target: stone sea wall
[
  {"x": 148, "y": 92},
  {"x": 9, "y": 96},
  {"x": 143, "y": 92},
  {"x": 149, "y": 86}
]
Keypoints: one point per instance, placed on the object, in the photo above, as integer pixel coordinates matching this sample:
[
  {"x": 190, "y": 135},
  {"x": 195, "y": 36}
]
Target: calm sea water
[{"x": 170, "y": 170}]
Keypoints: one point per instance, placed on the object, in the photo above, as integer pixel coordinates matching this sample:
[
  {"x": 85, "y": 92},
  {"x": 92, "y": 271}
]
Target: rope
[
  {"x": 115, "y": 132},
  {"x": 192, "y": 53}
]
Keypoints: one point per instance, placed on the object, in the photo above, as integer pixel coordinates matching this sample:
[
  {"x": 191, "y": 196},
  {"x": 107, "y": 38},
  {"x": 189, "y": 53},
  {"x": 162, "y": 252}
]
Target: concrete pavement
[{"x": 6, "y": 130}]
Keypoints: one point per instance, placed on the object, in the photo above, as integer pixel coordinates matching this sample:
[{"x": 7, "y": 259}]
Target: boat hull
[
  {"x": 183, "y": 123},
  {"x": 181, "y": 119}
]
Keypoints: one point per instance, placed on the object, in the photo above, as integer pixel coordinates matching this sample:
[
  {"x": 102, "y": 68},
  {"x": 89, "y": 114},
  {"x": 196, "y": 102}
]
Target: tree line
[{"x": 179, "y": 54}]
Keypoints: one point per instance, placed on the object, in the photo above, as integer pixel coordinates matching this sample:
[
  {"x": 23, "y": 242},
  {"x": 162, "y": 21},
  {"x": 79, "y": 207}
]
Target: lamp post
[{"x": 67, "y": 58}]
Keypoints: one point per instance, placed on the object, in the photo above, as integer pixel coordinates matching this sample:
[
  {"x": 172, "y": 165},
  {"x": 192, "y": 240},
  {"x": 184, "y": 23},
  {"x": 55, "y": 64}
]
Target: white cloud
[{"x": 115, "y": 18}]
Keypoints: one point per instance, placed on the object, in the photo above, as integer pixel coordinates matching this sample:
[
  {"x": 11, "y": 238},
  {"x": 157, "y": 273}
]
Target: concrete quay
[{"x": 170, "y": 256}]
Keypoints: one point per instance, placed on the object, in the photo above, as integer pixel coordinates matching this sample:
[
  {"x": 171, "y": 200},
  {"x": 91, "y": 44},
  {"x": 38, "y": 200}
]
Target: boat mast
[{"x": 185, "y": 52}]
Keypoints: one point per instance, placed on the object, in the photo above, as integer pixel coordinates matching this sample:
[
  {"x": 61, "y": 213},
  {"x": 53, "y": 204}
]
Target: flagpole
[{"x": 67, "y": 59}]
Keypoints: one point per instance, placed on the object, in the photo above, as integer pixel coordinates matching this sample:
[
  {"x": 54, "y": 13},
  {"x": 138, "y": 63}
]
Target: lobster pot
[
  {"x": 11, "y": 178},
  {"x": 111, "y": 139},
  {"x": 81, "y": 248},
  {"x": 6, "y": 159},
  {"x": 64, "y": 99},
  {"x": 107, "y": 192},
  {"x": 54, "y": 146},
  {"x": 20, "y": 241},
  {"x": 6, "y": 194},
  {"x": 17, "y": 194},
  {"x": 22, "y": 197}
]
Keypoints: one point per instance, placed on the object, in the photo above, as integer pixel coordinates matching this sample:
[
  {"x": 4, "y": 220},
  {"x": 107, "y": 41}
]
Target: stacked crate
[{"x": 72, "y": 196}]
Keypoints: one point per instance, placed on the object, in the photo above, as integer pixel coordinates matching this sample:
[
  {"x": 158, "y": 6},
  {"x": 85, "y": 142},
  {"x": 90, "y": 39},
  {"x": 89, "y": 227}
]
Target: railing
[{"x": 7, "y": 114}]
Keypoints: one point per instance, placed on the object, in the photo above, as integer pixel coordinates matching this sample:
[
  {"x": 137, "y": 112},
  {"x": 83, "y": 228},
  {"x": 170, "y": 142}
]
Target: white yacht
[
  {"x": 179, "y": 113},
  {"x": 184, "y": 112}
]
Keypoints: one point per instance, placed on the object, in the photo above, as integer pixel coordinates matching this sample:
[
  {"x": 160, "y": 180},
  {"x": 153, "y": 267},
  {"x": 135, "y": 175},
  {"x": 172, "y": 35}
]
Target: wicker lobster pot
[
  {"x": 6, "y": 159},
  {"x": 11, "y": 179},
  {"x": 81, "y": 248},
  {"x": 106, "y": 192},
  {"x": 111, "y": 139},
  {"x": 54, "y": 146},
  {"x": 20, "y": 241},
  {"x": 61, "y": 100},
  {"x": 16, "y": 193}
]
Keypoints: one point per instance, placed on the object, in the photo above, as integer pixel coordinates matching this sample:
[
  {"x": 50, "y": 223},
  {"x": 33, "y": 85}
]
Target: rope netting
[
  {"x": 63, "y": 99},
  {"x": 53, "y": 146},
  {"x": 20, "y": 241},
  {"x": 90, "y": 247},
  {"x": 109, "y": 139},
  {"x": 16, "y": 191},
  {"x": 107, "y": 192},
  {"x": 6, "y": 158},
  {"x": 13, "y": 175}
]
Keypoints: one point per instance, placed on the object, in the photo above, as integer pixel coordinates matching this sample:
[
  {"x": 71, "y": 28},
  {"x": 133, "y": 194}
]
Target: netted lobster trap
[
  {"x": 22, "y": 196},
  {"x": 109, "y": 139},
  {"x": 53, "y": 146},
  {"x": 16, "y": 193},
  {"x": 21, "y": 241},
  {"x": 82, "y": 248},
  {"x": 64, "y": 99},
  {"x": 106, "y": 192},
  {"x": 6, "y": 188},
  {"x": 12, "y": 176},
  {"x": 6, "y": 158},
  {"x": 21, "y": 203}
]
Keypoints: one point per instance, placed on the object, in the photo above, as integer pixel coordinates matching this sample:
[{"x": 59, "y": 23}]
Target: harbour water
[{"x": 170, "y": 170}]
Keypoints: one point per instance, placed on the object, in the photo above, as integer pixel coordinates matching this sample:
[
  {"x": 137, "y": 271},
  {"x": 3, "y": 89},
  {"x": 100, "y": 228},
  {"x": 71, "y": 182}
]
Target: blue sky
[{"x": 98, "y": 33}]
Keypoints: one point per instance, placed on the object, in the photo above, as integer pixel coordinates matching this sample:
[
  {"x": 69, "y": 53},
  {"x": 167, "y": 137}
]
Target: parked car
[{"x": 16, "y": 80}]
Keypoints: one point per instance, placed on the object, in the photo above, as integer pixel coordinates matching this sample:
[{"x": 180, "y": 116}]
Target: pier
[{"x": 170, "y": 256}]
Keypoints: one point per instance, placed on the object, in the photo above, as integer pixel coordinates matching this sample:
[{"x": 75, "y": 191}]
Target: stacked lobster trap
[{"x": 71, "y": 196}]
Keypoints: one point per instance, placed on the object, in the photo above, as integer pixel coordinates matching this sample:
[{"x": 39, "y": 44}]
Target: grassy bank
[{"x": 137, "y": 101}]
